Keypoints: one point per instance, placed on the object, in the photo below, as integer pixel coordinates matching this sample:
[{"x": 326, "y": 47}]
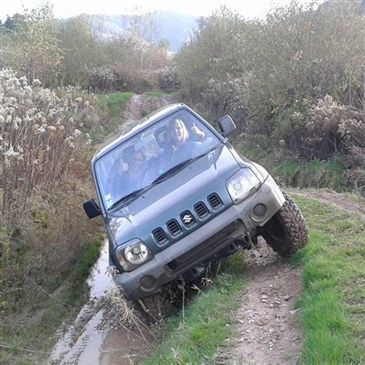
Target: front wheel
[
  {"x": 286, "y": 231},
  {"x": 156, "y": 306}
]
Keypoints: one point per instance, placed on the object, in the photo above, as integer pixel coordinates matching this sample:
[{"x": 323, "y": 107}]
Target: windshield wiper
[
  {"x": 171, "y": 171},
  {"x": 179, "y": 166},
  {"x": 127, "y": 197}
]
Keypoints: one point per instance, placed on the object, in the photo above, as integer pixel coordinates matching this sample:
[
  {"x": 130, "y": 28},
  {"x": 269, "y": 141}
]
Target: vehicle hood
[{"x": 168, "y": 199}]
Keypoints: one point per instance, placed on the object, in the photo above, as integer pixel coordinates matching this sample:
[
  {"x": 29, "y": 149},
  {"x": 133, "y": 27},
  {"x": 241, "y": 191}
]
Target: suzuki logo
[{"x": 187, "y": 219}]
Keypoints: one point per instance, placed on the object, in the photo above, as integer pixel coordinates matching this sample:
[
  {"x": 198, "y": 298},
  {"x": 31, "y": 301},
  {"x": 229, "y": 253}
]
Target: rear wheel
[{"x": 286, "y": 231}]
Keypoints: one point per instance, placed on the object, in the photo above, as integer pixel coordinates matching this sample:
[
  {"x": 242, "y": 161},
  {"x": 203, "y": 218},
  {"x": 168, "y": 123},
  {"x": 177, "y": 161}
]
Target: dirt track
[{"x": 266, "y": 327}]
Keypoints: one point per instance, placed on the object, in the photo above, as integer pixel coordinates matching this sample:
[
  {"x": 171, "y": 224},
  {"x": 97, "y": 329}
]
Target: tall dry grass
[{"x": 44, "y": 178}]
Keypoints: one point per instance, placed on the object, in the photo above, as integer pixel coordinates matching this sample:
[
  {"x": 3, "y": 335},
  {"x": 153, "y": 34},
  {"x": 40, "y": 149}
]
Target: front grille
[
  {"x": 159, "y": 235},
  {"x": 173, "y": 227},
  {"x": 205, "y": 249},
  {"x": 201, "y": 210},
  {"x": 215, "y": 201},
  {"x": 188, "y": 219}
]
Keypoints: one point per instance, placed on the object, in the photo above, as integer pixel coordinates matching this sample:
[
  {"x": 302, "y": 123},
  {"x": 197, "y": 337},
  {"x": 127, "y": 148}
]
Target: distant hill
[{"x": 174, "y": 27}]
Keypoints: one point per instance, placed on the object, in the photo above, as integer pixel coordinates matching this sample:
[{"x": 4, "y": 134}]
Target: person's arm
[{"x": 197, "y": 132}]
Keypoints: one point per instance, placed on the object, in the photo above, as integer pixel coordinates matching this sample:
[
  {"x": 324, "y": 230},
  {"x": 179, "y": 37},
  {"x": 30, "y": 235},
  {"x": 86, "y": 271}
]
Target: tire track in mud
[
  {"x": 265, "y": 328},
  {"x": 98, "y": 335},
  {"x": 336, "y": 200}
]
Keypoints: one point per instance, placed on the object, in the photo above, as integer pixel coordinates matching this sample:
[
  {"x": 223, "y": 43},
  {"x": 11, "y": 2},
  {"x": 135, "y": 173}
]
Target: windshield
[{"x": 139, "y": 162}]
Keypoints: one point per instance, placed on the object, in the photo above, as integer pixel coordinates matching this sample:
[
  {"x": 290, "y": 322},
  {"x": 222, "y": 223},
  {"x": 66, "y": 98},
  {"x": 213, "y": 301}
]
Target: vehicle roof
[{"x": 142, "y": 124}]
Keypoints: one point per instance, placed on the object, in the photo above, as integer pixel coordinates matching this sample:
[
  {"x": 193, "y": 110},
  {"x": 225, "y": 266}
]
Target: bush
[
  {"x": 274, "y": 76},
  {"x": 168, "y": 79},
  {"x": 324, "y": 130}
]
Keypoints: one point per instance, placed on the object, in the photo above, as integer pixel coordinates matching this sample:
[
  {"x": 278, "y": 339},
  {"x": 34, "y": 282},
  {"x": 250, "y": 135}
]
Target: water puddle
[{"x": 82, "y": 343}]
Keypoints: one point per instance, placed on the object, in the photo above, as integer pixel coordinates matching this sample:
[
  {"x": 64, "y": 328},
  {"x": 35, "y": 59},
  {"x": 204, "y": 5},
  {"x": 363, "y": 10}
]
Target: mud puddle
[
  {"x": 81, "y": 343},
  {"x": 95, "y": 337}
]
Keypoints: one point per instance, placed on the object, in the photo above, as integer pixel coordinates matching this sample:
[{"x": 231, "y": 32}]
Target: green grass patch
[
  {"x": 315, "y": 173},
  {"x": 333, "y": 267},
  {"x": 193, "y": 337},
  {"x": 81, "y": 272},
  {"x": 154, "y": 93},
  {"x": 86, "y": 261},
  {"x": 110, "y": 109},
  {"x": 113, "y": 104}
]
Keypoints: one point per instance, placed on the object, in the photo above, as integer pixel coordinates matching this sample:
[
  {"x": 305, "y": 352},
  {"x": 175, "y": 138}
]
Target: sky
[{"x": 68, "y": 8}]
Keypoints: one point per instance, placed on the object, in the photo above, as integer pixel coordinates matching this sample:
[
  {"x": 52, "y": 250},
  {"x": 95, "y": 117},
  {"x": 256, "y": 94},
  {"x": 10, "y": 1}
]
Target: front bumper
[{"x": 231, "y": 225}]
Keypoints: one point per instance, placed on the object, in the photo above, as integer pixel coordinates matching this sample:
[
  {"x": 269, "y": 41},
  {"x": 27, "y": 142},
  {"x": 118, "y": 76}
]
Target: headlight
[
  {"x": 132, "y": 254},
  {"x": 242, "y": 184}
]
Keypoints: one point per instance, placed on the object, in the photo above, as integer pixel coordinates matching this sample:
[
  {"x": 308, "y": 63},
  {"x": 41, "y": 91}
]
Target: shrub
[
  {"x": 168, "y": 79},
  {"x": 324, "y": 130},
  {"x": 41, "y": 139}
]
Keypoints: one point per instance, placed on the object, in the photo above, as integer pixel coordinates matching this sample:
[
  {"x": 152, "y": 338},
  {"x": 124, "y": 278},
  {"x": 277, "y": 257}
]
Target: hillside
[{"x": 175, "y": 28}]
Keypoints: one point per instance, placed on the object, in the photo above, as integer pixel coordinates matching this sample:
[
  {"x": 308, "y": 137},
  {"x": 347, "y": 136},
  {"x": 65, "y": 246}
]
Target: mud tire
[{"x": 286, "y": 231}]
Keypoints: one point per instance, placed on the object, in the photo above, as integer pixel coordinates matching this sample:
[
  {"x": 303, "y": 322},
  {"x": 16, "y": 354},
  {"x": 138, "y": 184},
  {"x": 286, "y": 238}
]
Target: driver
[
  {"x": 135, "y": 170},
  {"x": 128, "y": 176}
]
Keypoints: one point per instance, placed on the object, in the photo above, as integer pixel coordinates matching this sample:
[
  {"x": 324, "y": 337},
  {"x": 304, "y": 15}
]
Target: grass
[
  {"x": 290, "y": 171},
  {"x": 110, "y": 109},
  {"x": 315, "y": 173},
  {"x": 154, "y": 93},
  {"x": 28, "y": 336},
  {"x": 333, "y": 300},
  {"x": 113, "y": 103},
  {"x": 194, "y": 336}
]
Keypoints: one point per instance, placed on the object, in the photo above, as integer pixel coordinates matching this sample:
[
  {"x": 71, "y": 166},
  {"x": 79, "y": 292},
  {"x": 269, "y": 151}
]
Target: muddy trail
[
  {"x": 99, "y": 335},
  {"x": 266, "y": 330},
  {"x": 266, "y": 324},
  {"x": 265, "y": 327}
]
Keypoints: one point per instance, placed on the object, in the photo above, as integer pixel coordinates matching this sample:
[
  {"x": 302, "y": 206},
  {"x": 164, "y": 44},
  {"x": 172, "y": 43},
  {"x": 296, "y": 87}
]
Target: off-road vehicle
[{"x": 175, "y": 196}]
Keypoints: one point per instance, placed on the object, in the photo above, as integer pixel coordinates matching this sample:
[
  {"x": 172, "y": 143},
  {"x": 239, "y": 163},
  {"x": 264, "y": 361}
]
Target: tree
[
  {"x": 31, "y": 47},
  {"x": 80, "y": 48}
]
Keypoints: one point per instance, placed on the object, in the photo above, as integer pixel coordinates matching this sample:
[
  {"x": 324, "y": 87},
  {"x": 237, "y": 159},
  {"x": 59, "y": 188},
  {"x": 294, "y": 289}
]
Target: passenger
[
  {"x": 134, "y": 174},
  {"x": 128, "y": 176},
  {"x": 180, "y": 143},
  {"x": 177, "y": 134}
]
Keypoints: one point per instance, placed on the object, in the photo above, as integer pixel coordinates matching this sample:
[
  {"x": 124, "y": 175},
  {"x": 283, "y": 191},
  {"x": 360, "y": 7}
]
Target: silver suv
[{"x": 175, "y": 196}]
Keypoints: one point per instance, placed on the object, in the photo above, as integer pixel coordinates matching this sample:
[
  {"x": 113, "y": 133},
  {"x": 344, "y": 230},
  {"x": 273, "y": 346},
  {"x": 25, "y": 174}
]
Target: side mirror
[
  {"x": 227, "y": 126},
  {"x": 92, "y": 210}
]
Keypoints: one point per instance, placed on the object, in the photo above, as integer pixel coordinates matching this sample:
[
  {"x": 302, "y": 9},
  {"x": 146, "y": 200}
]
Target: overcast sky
[{"x": 67, "y": 8}]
